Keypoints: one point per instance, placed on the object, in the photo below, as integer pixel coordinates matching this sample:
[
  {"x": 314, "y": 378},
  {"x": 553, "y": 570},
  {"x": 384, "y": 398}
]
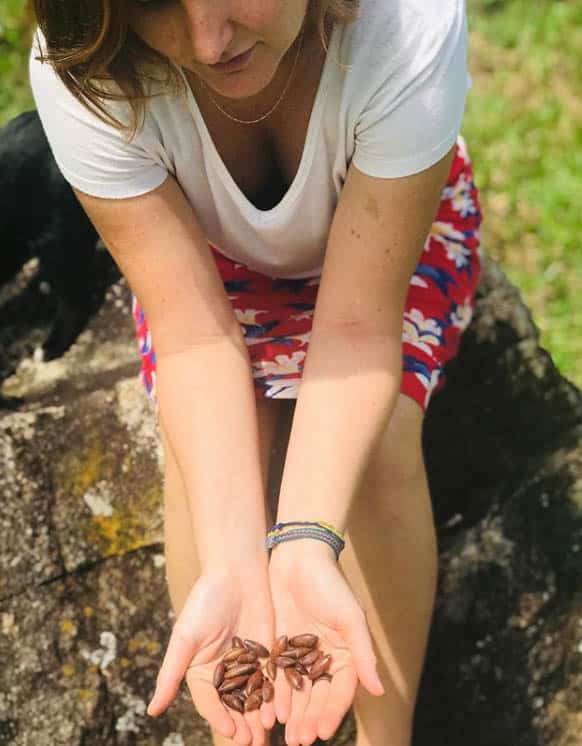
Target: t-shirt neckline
[{"x": 298, "y": 182}]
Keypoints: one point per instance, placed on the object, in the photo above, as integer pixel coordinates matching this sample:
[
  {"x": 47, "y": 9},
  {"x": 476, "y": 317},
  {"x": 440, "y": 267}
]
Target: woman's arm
[
  {"x": 204, "y": 385},
  {"x": 353, "y": 367}
]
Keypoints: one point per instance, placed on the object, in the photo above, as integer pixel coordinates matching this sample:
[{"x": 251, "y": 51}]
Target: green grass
[
  {"x": 523, "y": 127},
  {"x": 15, "y": 36}
]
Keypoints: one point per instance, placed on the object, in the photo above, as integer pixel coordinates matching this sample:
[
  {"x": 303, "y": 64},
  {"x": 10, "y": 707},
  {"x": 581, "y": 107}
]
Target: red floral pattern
[{"x": 276, "y": 314}]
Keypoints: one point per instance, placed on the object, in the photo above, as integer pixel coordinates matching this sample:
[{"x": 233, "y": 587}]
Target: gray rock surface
[{"x": 84, "y": 611}]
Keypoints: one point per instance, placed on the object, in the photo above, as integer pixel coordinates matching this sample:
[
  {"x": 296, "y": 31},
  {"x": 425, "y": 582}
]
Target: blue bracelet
[
  {"x": 312, "y": 530},
  {"x": 273, "y": 539},
  {"x": 305, "y": 533}
]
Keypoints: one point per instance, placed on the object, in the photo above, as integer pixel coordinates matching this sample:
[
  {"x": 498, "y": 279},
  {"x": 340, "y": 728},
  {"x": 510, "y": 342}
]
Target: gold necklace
[{"x": 277, "y": 102}]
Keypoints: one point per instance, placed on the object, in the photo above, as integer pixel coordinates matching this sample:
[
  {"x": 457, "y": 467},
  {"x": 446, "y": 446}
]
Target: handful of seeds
[{"x": 244, "y": 683}]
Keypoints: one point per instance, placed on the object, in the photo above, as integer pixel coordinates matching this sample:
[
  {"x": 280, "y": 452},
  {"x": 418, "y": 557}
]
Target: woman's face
[{"x": 196, "y": 34}]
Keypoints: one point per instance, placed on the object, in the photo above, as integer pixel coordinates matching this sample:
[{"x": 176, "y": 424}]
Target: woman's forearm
[
  {"x": 207, "y": 408},
  {"x": 347, "y": 394}
]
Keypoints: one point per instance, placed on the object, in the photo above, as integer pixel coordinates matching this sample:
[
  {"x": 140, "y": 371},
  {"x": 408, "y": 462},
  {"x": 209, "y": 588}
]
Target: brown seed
[
  {"x": 237, "y": 642},
  {"x": 301, "y": 668},
  {"x": 230, "y": 684},
  {"x": 323, "y": 677},
  {"x": 219, "y": 672},
  {"x": 294, "y": 678},
  {"x": 311, "y": 657},
  {"x": 254, "y": 701},
  {"x": 254, "y": 682},
  {"x": 268, "y": 691},
  {"x": 249, "y": 657},
  {"x": 279, "y": 646},
  {"x": 283, "y": 662},
  {"x": 271, "y": 669},
  {"x": 304, "y": 641},
  {"x": 297, "y": 652},
  {"x": 320, "y": 667},
  {"x": 234, "y": 702},
  {"x": 240, "y": 669},
  {"x": 232, "y": 654},
  {"x": 257, "y": 648}
]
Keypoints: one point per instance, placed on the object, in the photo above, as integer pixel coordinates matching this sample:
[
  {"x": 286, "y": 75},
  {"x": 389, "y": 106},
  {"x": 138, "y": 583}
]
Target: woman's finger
[
  {"x": 360, "y": 642},
  {"x": 299, "y": 702},
  {"x": 312, "y": 715},
  {"x": 267, "y": 713},
  {"x": 179, "y": 653},
  {"x": 282, "y": 698},
  {"x": 253, "y": 719},
  {"x": 342, "y": 689},
  {"x": 209, "y": 706},
  {"x": 243, "y": 734}
]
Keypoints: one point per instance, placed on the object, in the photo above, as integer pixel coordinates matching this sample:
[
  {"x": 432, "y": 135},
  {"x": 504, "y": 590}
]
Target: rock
[
  {"x": 85, "y": 614},
  {"x": 503, "y": 446}
]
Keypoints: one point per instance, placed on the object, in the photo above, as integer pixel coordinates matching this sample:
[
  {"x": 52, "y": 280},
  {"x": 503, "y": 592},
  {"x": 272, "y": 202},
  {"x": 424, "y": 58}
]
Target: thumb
[
  {"x": 181, "y": 649},
  {"x": 364, "y": 656}
]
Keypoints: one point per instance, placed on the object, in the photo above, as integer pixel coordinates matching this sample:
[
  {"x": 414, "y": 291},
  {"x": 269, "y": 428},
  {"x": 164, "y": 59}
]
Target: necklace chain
[{"x": 277, "y": 102}]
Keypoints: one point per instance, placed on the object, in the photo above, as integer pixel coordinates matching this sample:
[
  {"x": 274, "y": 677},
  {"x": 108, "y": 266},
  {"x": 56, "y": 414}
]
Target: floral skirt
[{"x": 276, "y": 315}]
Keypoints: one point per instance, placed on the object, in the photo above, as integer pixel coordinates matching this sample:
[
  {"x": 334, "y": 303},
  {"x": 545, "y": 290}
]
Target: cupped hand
[
  {"x": 222, "y": 603},
  {"x": 311, "y": 595}
]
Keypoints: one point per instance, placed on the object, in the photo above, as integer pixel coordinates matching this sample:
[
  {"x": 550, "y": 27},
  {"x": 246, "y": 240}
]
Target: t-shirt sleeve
[
  {"x": 412, "y": 119},
  {"x": 92, "y": 155}
]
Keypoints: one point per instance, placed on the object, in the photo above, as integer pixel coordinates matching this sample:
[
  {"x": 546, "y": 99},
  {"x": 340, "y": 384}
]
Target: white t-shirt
[{"x": 395, "y": 111}]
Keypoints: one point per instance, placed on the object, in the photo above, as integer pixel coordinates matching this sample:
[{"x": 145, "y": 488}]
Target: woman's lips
[{"x": 236, "y": 63}]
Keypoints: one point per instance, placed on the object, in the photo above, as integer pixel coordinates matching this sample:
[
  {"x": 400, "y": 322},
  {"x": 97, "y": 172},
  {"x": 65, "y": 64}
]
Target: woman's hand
[
  {"x": 222, "y": 603},
  {"x": 311, "y": 595}
]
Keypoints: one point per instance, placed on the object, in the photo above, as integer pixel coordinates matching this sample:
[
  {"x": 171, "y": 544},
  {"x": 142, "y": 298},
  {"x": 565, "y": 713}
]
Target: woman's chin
[{"x": 238, "y": 86}]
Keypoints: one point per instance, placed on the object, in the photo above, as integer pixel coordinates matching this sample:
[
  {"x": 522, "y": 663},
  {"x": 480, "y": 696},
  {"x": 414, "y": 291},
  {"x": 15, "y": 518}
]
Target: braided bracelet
[{"x": 307, "y": 529}]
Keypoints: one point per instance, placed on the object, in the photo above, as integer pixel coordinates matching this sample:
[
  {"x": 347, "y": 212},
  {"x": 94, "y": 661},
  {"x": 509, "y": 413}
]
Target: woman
[{"x": 273, "y": 177}]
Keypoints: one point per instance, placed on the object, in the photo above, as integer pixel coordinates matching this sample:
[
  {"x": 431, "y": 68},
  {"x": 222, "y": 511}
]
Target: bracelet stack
[{"x": 306, "y": 529}]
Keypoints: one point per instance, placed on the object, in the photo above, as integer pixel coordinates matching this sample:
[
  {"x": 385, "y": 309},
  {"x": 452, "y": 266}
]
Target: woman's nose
[{"x": 211, "y": 30}]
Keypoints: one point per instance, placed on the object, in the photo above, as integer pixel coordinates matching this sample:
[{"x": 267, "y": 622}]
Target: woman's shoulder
[
  {"x": 390, "y": 26},
  {"x": 399, "y": 39}
]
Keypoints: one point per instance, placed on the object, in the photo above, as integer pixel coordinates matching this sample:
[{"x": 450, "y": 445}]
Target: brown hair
[{"x": 89, "y": 42}]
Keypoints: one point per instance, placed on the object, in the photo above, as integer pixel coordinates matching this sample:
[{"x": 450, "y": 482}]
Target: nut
[
  {"x": 282, "y": 661},
  {"x": 319, "y": 667},
  {"x": 294, "y": 678},
  {"x": 271, "y": 669},
  {"x": 311, "y": 657},
  {"x": 304, "y": 641},
  {"x": 232, "y": 654},
  {"x": 234, "y": 702},
  {"x": 279, "y": 646},
  {"x": 239, "y": 670},
  {"x": 219, "y": 674},
  {"x": 254, "y": 701},
  {"x": 231, "y": 684},
  {"x": 243, "y": 683},
  {"x": 268, "y": 690},
  {"x": 254, "y": 682}
]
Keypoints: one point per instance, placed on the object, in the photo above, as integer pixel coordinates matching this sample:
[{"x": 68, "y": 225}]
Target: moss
[{"x": 128, "y": 528}]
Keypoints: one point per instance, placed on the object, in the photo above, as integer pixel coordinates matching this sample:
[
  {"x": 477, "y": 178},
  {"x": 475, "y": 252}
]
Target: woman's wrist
[
  {"x": 289, "y": 554},
  {"x": 234, "y": 549}
]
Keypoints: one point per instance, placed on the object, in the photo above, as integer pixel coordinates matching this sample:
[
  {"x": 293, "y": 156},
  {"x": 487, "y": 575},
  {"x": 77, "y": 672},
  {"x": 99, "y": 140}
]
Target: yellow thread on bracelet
[{"x": 328, "y": 526}]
